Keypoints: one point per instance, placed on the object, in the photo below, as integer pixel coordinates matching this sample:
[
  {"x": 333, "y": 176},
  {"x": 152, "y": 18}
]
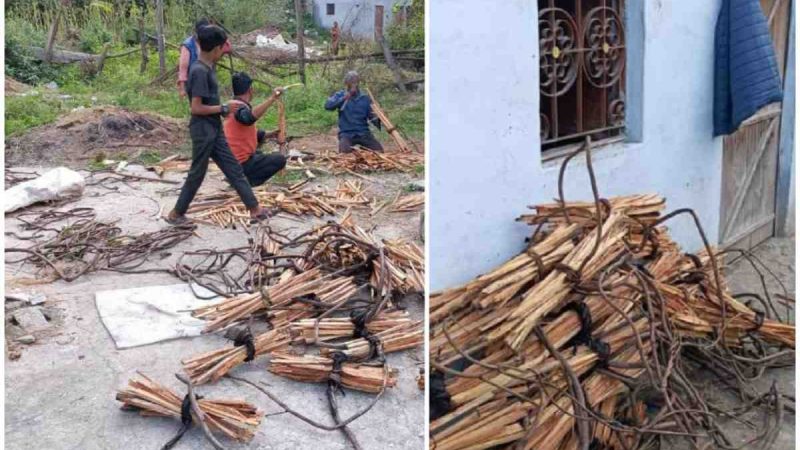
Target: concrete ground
[
  {"x": 778, "y": 254},
  {"x": 60, "y": 391}
]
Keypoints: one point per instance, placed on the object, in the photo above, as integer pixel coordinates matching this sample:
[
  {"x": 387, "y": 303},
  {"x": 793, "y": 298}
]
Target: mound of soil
[
  {"x": 16, "y": 87},
  {"x": 97, "y": 133}
]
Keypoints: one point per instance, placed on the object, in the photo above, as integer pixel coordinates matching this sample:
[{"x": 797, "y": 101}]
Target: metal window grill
[{"x": 582, "y": 70}]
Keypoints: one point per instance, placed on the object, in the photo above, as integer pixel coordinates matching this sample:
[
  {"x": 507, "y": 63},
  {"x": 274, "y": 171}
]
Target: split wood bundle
[
  {"x": 226, "y": 209},
  {"x": 364, "y": 160},
  {"x": 235, "y": 419},
  {"x": 405, "y": 264},
  {"x": 302, "y": 331},
  {"x": 346, "y": 245},
  {"x": 401, "y": 337},
  {"x": 500, "y": 285},
  {"x": 543, "y": 351},
  {"x": 409, "y": 203},
  {"x": 402, "y": 145},
  {"x": 318, "y": 369},
  {"x": 340, "y": 245},
  {"x": 213, "y": 365},
  {"x": 645, "y": 208},
  {"x": 402, "y": 270},
  {"x": 275, "y": 300},
  {"x": 551, "y": 292}
]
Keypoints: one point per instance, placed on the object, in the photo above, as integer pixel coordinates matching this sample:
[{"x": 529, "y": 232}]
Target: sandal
[
  {"x": 180, "y": 221},
  {"x": 262, "y": 216}
]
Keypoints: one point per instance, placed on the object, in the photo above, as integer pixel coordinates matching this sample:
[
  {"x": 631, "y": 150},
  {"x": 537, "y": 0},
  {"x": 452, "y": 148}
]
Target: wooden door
[
  {"x": 378, "y": 21},
  {"x": 750, "y": 157}
]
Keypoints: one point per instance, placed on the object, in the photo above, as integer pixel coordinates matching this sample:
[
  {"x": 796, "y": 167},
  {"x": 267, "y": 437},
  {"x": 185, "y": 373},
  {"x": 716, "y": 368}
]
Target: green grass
[
  {"x": 121, "y": 84},
  {"x": 149, "y": 158},
  {"x": 288, "y": 177}
]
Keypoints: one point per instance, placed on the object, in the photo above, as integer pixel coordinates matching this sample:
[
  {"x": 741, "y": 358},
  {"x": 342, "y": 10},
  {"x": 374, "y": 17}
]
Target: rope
[
  {"x": 245, "y": 338},
  {"x": 186, "y": 422},
  {"x": 584, "y": 336}
]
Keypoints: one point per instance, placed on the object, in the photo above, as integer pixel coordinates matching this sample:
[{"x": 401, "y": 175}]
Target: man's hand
[
  {"x": 182, "y": 89},
  {"x": 278, "y": 92}
]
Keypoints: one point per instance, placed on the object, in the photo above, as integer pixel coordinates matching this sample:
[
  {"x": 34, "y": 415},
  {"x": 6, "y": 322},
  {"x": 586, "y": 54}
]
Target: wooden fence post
[
  {"x": 300, "y": 31},
  {"x": 51, "y": 36},
  {"x": 143, "y": 42},
  {"x": 162, "y": 63}
]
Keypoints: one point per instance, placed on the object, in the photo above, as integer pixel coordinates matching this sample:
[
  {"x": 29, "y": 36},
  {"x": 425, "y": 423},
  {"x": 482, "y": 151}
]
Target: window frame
[
  {"x": 330, "y": 9},
  {"x": 615, "y": 112}
]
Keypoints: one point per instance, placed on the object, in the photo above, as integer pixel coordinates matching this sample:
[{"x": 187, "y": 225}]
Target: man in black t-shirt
[{"x": 205, "y": 129}]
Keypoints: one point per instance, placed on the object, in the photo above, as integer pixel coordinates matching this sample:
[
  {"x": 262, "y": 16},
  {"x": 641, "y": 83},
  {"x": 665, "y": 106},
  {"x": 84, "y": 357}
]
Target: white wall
[
  {"x": 485, "y": 161},
  {"x": 356, "y": 17}
]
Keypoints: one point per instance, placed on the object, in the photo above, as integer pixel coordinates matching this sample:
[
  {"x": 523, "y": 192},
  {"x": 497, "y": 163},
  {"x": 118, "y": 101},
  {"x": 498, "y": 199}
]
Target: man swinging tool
[
  {"x": 355, "y": 115},
  {"x": 242, "y": 135}
]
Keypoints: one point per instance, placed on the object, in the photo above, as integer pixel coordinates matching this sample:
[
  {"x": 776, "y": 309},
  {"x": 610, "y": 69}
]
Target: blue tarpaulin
[{"x": 746, "y": 74}]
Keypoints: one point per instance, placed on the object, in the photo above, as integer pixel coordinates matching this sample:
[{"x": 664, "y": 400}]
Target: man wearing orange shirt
[{"x": 244, "y": 138}]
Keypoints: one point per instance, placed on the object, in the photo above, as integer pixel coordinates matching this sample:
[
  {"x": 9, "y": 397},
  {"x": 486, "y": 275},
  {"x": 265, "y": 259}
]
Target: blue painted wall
[{"x": 485, "y": 161}]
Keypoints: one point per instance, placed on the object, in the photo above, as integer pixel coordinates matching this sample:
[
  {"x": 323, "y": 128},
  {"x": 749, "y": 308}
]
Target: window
[
  {"x": 582, "y": 70},
  {"x": 330, "y": 9}
]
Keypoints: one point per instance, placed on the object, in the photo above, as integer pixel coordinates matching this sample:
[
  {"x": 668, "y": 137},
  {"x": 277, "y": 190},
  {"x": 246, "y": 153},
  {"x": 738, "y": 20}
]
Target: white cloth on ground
[{"x": 151, "y": 314}]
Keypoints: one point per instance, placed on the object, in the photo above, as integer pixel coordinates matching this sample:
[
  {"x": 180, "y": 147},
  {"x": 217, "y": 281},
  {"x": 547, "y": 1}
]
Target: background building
[{"x": 359, "y": 18}]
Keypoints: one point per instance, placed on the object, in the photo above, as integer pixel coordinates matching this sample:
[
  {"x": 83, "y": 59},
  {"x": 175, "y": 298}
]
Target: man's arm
[
  {"x": 183, "y": 71},
  {"x": 335, "y": 101},
  {"x": 199, "y": 109},
  {"x": 262, "y": 108}
]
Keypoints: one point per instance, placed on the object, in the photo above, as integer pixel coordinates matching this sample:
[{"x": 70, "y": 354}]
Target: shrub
[{"x": 411, "y": 34}]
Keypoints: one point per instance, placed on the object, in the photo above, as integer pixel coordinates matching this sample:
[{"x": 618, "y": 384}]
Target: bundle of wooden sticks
[
  {"x": 318, "y": 369},
  {"x": 395, "y": 339},
  {"x": 276, "y": 299},
  {"x": 302, "y": 331},
  {"x": 235, "y": 419},
  {"x": 213, "y": 365}
]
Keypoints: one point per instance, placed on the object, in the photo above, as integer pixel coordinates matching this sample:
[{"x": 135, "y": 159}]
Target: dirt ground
[
  {"x": 61, "y": 389},
  {"x": 98, "y": 133},
  {"x": 779, "y": 255}
]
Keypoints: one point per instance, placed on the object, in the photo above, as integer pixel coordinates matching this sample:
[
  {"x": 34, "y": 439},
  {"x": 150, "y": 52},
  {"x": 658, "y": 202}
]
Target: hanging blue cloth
[{"x": 746, "y": 74}]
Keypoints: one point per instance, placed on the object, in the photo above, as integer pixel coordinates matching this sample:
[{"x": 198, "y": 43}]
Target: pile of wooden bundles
[
  {"x": 365, "y": 160},
  {"x": 546, "y": 351},
  {"x": 408, "y": 203},
  {"x": 226, "y": 209}
]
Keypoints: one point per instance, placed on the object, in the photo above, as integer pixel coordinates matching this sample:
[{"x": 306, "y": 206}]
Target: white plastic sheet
[
  {"x": 147, "y": 315},
  {"x": 57, "y": 184}
]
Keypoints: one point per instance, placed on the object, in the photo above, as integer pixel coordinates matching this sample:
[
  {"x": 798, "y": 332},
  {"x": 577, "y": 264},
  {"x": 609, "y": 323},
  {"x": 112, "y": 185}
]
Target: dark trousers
[
  {"x": 208, "y": 141},
  {"x": 260, "y": 167},
  {"x": 365, "y": 140}
]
